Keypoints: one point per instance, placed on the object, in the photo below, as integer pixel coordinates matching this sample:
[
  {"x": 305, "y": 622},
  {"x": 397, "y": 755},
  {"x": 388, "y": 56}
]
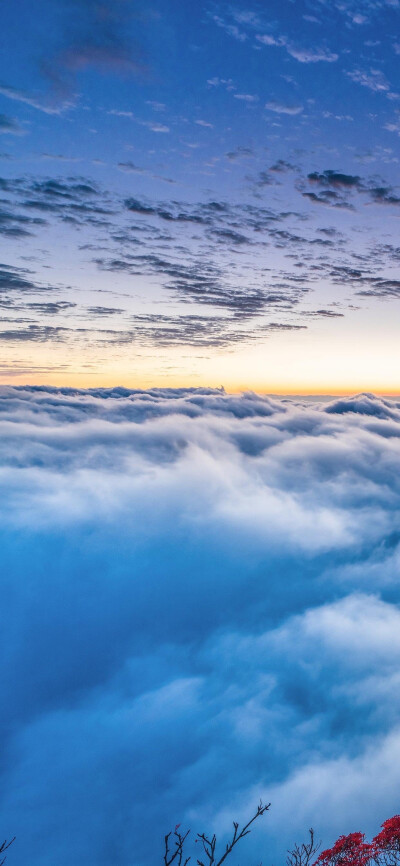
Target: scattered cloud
[
  {"x": 375, "y": 79},
  {"x": 246, "y": 97},
  {"x": 9, "y": 126},
  {"x": 130, "y": 168},
  {"x": 313, "y": 55},
  {"x": 231, "y": 29},
  {"x": 240, "y": 152},
  {"x": 303, "y": 55},
  {"x": 36, "y": 101},
  {"x": 335, "y": 179},
  {"x": 227, "y": 83},
  {"x": 13, "y": 279},
  {"x": 198, "y": 253},
  {"x": 282, "y": 108},
  {"x": 269, "y": 39}
]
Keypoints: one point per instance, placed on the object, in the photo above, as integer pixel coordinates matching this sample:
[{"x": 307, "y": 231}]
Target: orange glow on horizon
[
  {"x": 84, "y": 380},
  {"x": 318, "y": 362}
]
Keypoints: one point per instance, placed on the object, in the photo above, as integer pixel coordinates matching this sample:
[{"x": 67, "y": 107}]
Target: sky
[
  {"x": 200, "y": 194},
  {"x": 199, "y": 212},
  {"x": 200, "y": 607}
]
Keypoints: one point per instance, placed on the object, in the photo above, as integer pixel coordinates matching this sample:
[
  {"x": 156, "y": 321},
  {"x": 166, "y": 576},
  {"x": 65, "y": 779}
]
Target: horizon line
[{"x": 222, "y": 388}]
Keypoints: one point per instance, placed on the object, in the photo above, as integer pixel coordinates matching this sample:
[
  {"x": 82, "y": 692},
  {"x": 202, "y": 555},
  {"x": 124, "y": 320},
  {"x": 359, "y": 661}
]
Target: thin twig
[
  {"x": 209, "y": 845},
  {"x": 302, "y": 854},
  {"x": 4, "y": 846},
  {"x": 170, "y": 856}
]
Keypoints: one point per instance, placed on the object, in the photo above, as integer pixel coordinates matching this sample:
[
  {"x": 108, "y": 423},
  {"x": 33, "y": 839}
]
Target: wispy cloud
[
  {"x": 313, "y": 55},
  {"x": 246, "y": 97},
  {"x": 231, "y": 29},
  {"x": 374, "y": 79},
  {"x": 282, "y": 108},
  {"x": 10, "y": 126},
  {"x": 41, "y": 103},
  {"x": 303, "y": 55}
]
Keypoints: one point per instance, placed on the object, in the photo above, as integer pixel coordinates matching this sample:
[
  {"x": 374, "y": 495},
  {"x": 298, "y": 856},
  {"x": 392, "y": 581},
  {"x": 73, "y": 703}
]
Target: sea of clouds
[{"x": 199, "y": 608}]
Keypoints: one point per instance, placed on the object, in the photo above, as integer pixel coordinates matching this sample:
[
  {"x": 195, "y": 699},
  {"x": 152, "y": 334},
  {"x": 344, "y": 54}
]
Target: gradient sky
[{"x": 200, "y": 193}]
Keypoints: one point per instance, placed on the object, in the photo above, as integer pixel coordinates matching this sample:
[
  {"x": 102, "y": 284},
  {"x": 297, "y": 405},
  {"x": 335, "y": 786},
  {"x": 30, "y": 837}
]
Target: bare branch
[
  {"x": 302, "y": 854},
  {"x": 170, "y": 856},
  {"x": 209, "y": 845},
  {"x": 4, "y": 846}
]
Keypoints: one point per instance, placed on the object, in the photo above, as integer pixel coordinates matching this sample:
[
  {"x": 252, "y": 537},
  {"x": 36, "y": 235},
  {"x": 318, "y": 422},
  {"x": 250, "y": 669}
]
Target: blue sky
[{"x": 200, "y": 194}]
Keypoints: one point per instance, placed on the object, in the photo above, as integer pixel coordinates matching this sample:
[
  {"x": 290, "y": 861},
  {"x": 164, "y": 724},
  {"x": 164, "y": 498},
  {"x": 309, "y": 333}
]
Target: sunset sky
[
  {"x": 201, "y": 194},
  {"x": 199, "y": 425}
]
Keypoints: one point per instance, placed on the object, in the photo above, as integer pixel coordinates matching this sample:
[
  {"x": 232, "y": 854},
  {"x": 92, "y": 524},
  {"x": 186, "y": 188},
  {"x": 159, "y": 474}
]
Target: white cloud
[
  {"x": 246, "y": 97},
  {"x": 282, "y": 108},
  {"x": 375, "y": 80},
  {"x": 314, "y": 55},
  {"x": 37, "y": 102},
  {"x": 213, "y": 572}
]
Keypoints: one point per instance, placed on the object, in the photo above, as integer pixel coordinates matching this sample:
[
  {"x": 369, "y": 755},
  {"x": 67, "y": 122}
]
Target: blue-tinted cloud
[{"x": 199, "y": 607}]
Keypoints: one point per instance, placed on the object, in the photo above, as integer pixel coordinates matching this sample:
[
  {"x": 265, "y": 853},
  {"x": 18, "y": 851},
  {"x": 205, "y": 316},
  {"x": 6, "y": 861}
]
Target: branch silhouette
[
  {"x": 301, "y": 855},
  {"x": 209, "y": 844},
  {"x": 4, "y": 846},
  {"x": 177, "y": 854}
]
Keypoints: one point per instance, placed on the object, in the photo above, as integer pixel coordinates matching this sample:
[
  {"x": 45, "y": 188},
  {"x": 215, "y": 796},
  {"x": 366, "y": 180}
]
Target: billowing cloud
[{"x": 199, "y": 607}]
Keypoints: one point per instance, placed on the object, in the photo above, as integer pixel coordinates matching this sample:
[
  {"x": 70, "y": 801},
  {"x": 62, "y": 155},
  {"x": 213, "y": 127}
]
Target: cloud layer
[
  {"x": 200, "y": 607},
  {"x": 229, "y": 274}
]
